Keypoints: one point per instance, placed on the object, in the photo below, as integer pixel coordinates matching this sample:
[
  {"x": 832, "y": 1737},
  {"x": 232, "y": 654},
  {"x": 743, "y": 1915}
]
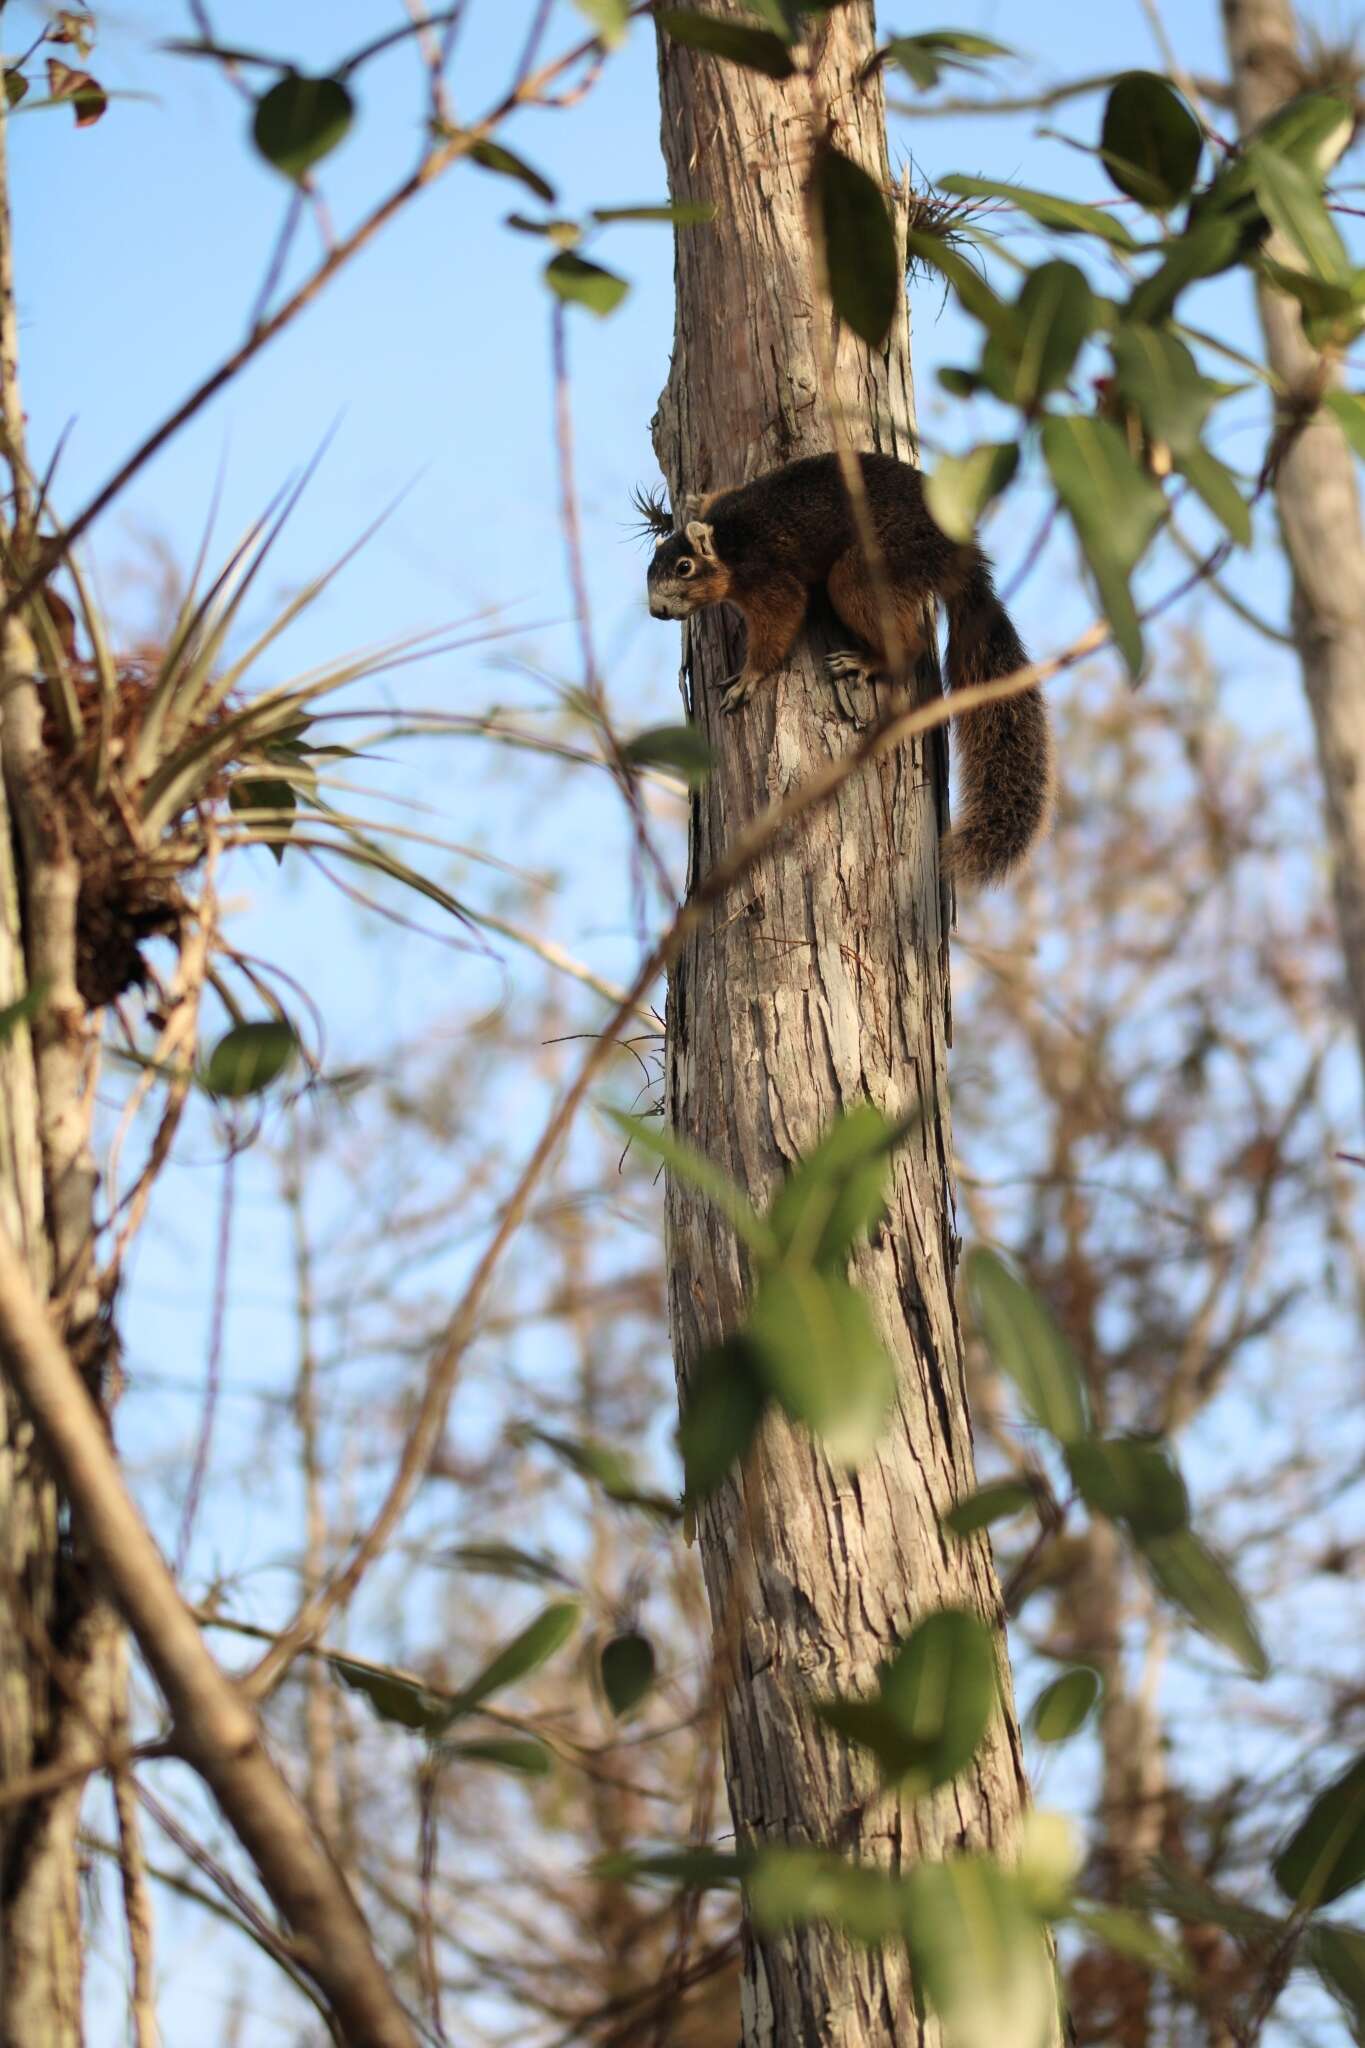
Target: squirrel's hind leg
[
  {"x": 773, "y": 615},
  {"x": 862, "y": 605}
]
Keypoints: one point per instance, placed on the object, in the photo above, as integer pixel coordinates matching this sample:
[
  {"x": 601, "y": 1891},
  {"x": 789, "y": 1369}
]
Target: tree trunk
[
  {"x": 1319, "y": 510},
  {"x": 820, "y": 982}
]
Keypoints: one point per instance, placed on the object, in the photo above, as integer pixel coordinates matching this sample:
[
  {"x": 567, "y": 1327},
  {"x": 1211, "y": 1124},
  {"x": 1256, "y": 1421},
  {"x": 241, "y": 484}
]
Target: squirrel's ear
[{"x": 703, "y": 538}]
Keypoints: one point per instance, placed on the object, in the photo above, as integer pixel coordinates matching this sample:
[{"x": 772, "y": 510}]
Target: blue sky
[{"x": 141, "y": 247}]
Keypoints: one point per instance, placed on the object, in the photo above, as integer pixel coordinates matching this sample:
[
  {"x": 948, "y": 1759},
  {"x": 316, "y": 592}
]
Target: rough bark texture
[
  {"x": 1319, "y": 510},
  {"x": 821, "y": 981}
]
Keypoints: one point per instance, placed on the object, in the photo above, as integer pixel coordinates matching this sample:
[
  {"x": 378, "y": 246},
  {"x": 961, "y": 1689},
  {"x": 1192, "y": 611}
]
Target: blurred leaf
[
  {"x": 627, "y": 1671},
  {"x": 527, "y": 1759},
  {"x": 960, "y": 487},
  {"x": 975, "y": 295},
  {"x": 691, "y": 1869},
  {"x": 1053, "y": 314},
  {"x": 1150, "y": 142},
  {"x": 989, "y": 1504},
  {"x": 393, "y": 1698},
  {"x": 1129, "y": 1934},
  {"x": 1311, "y": 130},
  {"x": 604, "y": 1466},
  {"x": 1338, "y": 1956},
  {"x": 693, "y": 1167},
  {"x": 301, "y": 120},
  {"x": 1115, "y": 508},
  {"x": 789, "y": 1886},
  {"x": 836, "y": 1196},
  {"x": 16, "y": 85},
  {"x": 23, "y": 1011},
  {"x": 492, "y": 156},
  {"x": 721, "y": 1411},
  {"x": 786, "y": 16},
  {"x": 249, "y": 1057},
  {"x": 1201, "y": 251},
  {"x": 610, "y": 18},
  {"x": 924, "y": 57},
  {"x": 932, "y": 1706},
  {"x": 85, "y": 93},
  {"x": 1064, "y": 216},
  {"x": 819, "y": 1354},
  {"x": 980, "y": 1955},
  {"x": 1130, "y": 1479},
  {"x": 506, "y": 1561},
  {"x": 1215, "y": 483},
  {"x": 860, "y": 246},
  {"x": 1189, "y": 1574},
  {"x": 1026, "y": 1345},
  {"x": 1063, "y": 1708},
  {"x": 563, "y": 233},
  {"x": 526, "y": 1652},
  {"x": 264, "y": 793},
  {"x": 757, "y": 49},
  {"x": 683, "y": 213},
  {"x": 1160, "y": 378},
  {"x": 1333, "y": 314},
  {"x": 582, "y": 283},
  {"x": 1049, "y": 1860},
  {"x": 680, "y": 747},
  {"x": 1349, "y": 408},
  {"x": 1292, "y": 200},
  {"x": 1325, "y": 1855},
  {"x": 1176, "y": 1891}
]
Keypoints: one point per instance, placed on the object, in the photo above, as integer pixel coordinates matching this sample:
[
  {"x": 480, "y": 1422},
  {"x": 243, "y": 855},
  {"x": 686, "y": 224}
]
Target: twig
[{"x": 213, "y": 1377}]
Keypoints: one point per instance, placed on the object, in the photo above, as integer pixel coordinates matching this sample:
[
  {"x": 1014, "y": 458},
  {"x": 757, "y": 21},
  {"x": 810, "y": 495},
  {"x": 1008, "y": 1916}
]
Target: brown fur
[{"x": 768, "y": 545}]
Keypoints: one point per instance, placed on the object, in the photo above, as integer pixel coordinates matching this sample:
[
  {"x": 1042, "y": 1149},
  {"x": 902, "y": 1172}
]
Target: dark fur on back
[{"x": 766, "y": 545}]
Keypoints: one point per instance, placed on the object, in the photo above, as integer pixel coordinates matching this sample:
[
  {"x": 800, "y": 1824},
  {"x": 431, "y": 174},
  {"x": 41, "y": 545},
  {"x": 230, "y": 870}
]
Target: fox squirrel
[{"x": 766, "y": 546}]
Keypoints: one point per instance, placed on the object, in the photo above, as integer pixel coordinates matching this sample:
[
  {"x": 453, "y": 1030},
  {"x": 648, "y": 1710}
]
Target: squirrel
[{"x": 766, "y": 546}]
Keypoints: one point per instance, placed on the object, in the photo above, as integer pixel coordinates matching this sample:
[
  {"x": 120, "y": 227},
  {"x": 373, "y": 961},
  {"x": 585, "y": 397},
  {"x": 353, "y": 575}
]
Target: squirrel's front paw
[
  {"x": 737, "y": 690},
  {"x": 847, "y": 667}
]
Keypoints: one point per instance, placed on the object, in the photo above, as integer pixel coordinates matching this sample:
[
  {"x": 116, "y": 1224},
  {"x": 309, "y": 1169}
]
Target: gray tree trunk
[
  {"x": 819, "y": 982},
  {"x": 1319, "y": 510}
]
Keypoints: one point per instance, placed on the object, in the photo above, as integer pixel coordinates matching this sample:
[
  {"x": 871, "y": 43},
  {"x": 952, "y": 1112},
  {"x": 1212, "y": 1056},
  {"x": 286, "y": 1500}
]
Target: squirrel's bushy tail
[{"x": 1002, "y": 752}]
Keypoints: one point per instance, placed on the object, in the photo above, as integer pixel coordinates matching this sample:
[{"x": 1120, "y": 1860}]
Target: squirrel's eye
[{"x": 686, "y": 566}]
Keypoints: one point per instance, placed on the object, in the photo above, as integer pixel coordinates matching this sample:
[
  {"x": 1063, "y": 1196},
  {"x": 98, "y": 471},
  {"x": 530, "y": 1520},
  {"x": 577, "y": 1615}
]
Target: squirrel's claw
[
  {"x": 736, "y": 691},
  {"x": 847, "y": 667}
]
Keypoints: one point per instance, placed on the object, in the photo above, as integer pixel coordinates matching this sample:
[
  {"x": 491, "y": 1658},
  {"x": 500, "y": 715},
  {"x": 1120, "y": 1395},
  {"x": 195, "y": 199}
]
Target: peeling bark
[
  {"x": 820, "y": 983},
  {"x": 1318, "y": 502}
]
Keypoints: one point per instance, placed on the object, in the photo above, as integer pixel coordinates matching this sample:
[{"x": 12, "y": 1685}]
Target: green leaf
[
  {"x": 582, "y": 283},
  {"x": 757, "y": 49},
  {"x": 492, "y": 156},
  {"x": 526, "y": 1652},
  {"x": 960, "y": 487},
  {"x": 301, "y": 120},
  {"x": 1349, "y": 408},
  {"x": 1207, "y": 247},
  {"x": 393, "y": 1697},
  {"x": 1311, "y": 130},
  {"x": 1150, "y": 142},
  {"x": 989, "y": 1504},
  {"x": 23, "y": 1011},
  {"x": 683, "y": 213},
  {"x": 1115, "y": 508},
  {"x": 16, "y": 85},
  {"x": 690, "y": 1869},
  {"x": 1065, "y": 216},
  {"x": 265, "y": 793},
  {"x": 1063, "y": 1708},
  {"x": 860, "y": 246},
  {"x": 973, "y": 292},
  {"x": 604, "y": 1466},
  {"x": 685, "y": 1163},
  {"x": 506, "y": 1561},
  {"x": 1053, "y": 314},
  {"x": 836, "y": 1196},
  {"x": 611, "y": 18},
  {"x": 1333, "y": 314},
  {"x": 932, "y": 1706},
  {"x": 1325, "y": 1855},
  {"x": 1215, "y": 483},
  {"x": 787, "y": 1886},
  {"x": 819, "y": 1354},
  {"x": 680, "y": 747},
  {"x": 1338, "y": 1956},
  {"x": 627, "y": 1671},
  {"x": 1130, "y": 1934},
  {"x": 1292, "y": 200},
  {"x": 1160, "y": 378},
  {"x": 1189, "y": 1574},
  {"x": 1130, "y": 1479},
  {"x": 722, "y": 1409},
  {"x": 924, "y": 57},
  {"x": 785, "y": 16},
  {"x": 1027, "y": 1346},
  {"x": 527, "y": 1759},
  {"x": 249, "y": 1057},
  {"x": 980, "y": 1955}
]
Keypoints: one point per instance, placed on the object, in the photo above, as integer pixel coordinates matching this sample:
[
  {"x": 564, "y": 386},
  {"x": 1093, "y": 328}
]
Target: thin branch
[{"x": 1215, "y": 90}]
